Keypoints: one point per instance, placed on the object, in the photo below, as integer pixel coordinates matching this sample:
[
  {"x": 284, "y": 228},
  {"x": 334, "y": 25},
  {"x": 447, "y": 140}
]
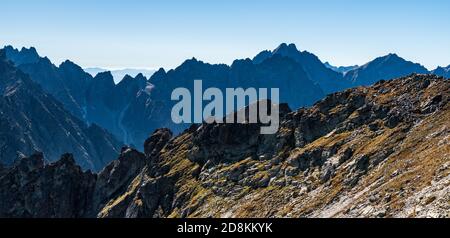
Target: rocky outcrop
[
  {"x": 380, "y": 151},
  {"x": 365, "y": 152},
  {"x": 58, "y": 190},
  {"x": 31, "y": 188}
]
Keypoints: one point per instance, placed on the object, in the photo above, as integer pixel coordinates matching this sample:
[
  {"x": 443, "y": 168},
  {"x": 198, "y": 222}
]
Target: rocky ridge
[
  {"x": 135, "y": 107},
  {"x": 380, "y": 151}
]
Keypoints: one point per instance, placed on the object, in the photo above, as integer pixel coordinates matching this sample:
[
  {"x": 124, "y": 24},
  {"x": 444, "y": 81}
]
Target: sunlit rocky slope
[{"x": 379, "y": 151}]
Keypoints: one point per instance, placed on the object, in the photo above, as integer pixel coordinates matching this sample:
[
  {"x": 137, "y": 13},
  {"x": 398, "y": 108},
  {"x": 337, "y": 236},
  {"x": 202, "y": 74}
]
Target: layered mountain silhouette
[
  {"x": 441, "y": 71},
  {"x": 346, "y": 151},
  {"x": 280, "y": 72},
  {"x": 135, "y": 107},
  {"x": 340, "y": 69},
  {"x": 32, "y": 121},
  {"x": 119, "y": 74},
  {"x": 383, "y": 68},
  {"x": 329, "y": 80},
  {"x": 92, "y": 99},
  {"x": 379, "y": 151}
]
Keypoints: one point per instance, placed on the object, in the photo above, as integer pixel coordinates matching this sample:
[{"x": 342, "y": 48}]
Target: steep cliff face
[
  {"x": 295, "y": 86},
  {"x": 380, "y": 151}
]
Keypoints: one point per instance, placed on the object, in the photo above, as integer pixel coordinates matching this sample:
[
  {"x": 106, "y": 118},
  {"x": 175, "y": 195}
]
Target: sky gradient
[{"x": 152, "y": 34}]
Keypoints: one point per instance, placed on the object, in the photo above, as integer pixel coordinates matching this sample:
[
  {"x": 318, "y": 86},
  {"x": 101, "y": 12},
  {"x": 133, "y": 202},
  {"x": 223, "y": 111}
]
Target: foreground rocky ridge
[{"x": 381, "y": 151}]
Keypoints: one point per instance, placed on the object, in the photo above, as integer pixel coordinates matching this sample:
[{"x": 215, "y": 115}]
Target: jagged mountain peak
[
  {"x": 140, "y": 76},
  {"x": 69, "y": 64},
  {"x": 329, "y": 80},
  {"x": 129, "y": 83},
  {"x": 126, "y": 78},
  {"x": 104, "y": 76},
  {"x": 158, "y": 76},
  {"x": 386, "y": 67},
  {"x": 27, "y": 110},
  {"x": 364, "y": 152},
  {"x": 22, "y": 56},
  {"x": 390, "y": 58},
  {"x": 286, "y": 49}
]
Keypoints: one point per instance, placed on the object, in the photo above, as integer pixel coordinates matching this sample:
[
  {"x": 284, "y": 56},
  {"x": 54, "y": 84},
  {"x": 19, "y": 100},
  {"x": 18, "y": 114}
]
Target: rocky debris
[
  {"x": 430, "y": 202},
  {"x": 380, "y": 151}
]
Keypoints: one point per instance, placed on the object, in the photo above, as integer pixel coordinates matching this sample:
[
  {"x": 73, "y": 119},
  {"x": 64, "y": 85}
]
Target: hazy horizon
[{"x": 151, "y": 35}]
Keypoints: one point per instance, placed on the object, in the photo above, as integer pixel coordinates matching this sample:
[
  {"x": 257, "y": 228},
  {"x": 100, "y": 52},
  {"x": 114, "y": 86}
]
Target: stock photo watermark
[{"x": 235, "y": 105}]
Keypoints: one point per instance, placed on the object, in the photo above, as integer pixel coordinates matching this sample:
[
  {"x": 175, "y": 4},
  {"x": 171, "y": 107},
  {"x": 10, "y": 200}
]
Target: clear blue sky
[{"x": 153, "y": 34}]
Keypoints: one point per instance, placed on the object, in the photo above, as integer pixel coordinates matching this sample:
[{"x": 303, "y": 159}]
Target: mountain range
[
  {"x": 378, "y": 151},
  {"x": 119, "y": 74},
  {"x": 387, "y": 67},
  {"x": 137, "y": 106},
  {"x": 32, "y": 120}
]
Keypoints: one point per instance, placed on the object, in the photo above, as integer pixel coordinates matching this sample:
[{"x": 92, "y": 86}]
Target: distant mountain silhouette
[
  {"x": 441, "y": 71},
  {"x": 24, "y": 56},
  {"x": 383, "y": 68},
  {"x": 341, "y": 69},
  {"x": 135, "y": 107},
  {"x": 92, "y": 99},
  {"x": 119, "y": 74},
  {"x": 329, "y": 80},
  {"x": 31, "y": 120},
  {"x": 278, "y": 71}
]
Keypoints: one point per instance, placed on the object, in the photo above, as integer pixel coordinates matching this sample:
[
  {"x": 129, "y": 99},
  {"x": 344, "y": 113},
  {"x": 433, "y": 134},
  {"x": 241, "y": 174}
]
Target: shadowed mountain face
[
  {"x": 441, "y": 71},
  {"x": 383, "y": 68},
  {"x": 92, "y": 99},
  {"x": 119, "y": 74},
  {"x": 32, "y": 120},
  {"x": 135, "y": 107},
  {"x": 379, "y": 151},
  {"x": 275, "y": 72},
  {"x": 131, "y": 112},
  {"x": 329, "y": 80}
]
